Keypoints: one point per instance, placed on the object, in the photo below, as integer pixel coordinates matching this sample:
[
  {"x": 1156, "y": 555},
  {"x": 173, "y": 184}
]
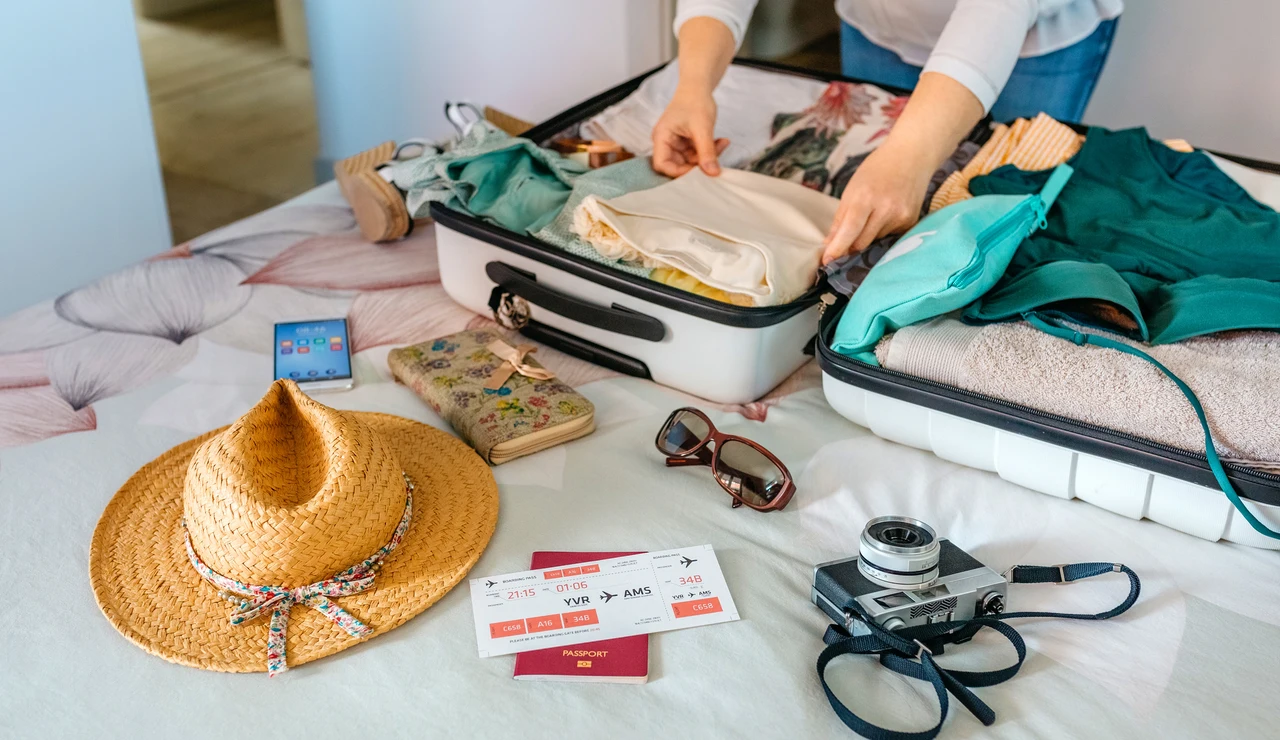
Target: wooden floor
[{"x": 234, "y": 114}]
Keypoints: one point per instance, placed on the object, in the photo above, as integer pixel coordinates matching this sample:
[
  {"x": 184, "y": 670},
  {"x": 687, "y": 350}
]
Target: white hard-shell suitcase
[
  {"x": 1125, "y": 474},
  {"x": 715, "y": 350}
]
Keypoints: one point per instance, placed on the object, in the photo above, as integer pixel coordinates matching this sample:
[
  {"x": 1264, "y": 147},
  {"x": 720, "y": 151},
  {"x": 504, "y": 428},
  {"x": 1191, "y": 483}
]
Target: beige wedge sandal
[{"x": 379, "y": 207}]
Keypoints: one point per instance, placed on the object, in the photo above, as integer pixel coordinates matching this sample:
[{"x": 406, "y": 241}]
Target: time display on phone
[{"x": 312, "y": 351}]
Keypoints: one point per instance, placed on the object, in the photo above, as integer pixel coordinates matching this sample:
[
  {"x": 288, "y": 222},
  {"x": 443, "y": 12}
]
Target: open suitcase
[
  {"x": 718, "y": 351},
  {"x": 1122, "y": 473}
]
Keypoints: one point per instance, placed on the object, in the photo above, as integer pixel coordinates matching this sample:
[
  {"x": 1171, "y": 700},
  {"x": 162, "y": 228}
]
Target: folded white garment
[
  {"x": 747, "y": 99},
  {"x": 741, "y": 232}
]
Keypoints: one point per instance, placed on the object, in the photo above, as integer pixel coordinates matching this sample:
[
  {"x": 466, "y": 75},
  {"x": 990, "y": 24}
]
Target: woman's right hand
[{"x": 683, "y": 136}]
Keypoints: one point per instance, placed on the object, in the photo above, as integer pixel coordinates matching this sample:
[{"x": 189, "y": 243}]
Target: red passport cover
[{"x": 621, "y": 660}]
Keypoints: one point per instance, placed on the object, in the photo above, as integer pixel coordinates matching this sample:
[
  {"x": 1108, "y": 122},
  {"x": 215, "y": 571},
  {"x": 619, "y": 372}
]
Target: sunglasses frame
[{"x": 705, "y": 454}]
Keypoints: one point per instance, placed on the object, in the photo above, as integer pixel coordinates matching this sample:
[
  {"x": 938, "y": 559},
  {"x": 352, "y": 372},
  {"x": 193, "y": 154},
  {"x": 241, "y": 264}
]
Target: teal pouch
[{"x": 944, "y": 263}]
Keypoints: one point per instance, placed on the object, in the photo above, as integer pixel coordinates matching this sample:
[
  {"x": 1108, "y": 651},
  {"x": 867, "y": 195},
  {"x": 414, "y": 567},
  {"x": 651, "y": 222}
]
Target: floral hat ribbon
[
  {"x": 280, "y": 600},
  {"x": 514, "y": 362}
]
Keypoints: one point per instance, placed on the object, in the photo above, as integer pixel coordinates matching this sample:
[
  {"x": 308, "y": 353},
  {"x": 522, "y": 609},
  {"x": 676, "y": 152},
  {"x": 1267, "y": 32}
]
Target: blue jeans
[{"x": 1059, "y": 83}]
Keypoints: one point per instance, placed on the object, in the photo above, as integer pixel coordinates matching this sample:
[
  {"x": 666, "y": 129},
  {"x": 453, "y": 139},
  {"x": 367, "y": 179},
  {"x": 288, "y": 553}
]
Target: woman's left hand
[
  {"x": 883, "y": 197},
  {"x": 885, "y": 194}
]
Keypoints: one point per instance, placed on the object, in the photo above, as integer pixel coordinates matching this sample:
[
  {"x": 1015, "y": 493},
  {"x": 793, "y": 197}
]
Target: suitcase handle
[{"x": 615, "y": 318}]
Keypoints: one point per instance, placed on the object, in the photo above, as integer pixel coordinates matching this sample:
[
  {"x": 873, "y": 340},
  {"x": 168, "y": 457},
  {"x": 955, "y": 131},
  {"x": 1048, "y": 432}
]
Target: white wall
[
  {"x": 1207, "y": 71},
  {"x": 383, "y": 69},
  {"x": 80, "y": 189}
]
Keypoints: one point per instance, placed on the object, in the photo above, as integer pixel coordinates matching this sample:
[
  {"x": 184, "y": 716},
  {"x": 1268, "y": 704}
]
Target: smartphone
[{"x": 314, "y": 354}]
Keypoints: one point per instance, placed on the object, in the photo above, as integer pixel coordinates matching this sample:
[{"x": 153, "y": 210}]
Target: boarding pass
[{"x": 600, "y": 600}]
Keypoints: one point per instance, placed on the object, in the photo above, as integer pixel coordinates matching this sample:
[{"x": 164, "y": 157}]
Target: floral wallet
[{"x": 496, "y": 397}]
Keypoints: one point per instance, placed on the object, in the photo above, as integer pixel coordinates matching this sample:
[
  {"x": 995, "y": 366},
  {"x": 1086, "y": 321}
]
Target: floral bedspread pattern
[{"x": 217, "y": 297}]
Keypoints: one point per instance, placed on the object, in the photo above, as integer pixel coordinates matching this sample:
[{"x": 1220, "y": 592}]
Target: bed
[{"x": 105, "y": 378}]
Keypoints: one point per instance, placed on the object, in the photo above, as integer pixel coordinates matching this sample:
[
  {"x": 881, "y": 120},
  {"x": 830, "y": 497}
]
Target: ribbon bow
[
  {"x": 280, "y": 600},
  {"x": 514, "y": 362}
]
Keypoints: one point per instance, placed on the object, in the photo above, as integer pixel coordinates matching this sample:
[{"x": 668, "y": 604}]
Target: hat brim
[{"x": 148, "y": 590}]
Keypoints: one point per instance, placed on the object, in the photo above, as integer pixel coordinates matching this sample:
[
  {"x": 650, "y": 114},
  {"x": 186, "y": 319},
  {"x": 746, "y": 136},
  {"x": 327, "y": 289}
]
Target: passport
[{"x": 621, "y": 660}]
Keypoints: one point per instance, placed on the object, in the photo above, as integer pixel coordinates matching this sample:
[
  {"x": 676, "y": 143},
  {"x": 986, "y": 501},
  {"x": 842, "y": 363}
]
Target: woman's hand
[
  {"x": 683, "y": 138},
  {"x": 883, "y": 197},
  {"x": 885, "y": 193}
]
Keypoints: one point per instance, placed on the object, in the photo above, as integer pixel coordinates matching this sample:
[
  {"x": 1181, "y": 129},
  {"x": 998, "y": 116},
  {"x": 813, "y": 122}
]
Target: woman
[{"x": 962, "y": 57}]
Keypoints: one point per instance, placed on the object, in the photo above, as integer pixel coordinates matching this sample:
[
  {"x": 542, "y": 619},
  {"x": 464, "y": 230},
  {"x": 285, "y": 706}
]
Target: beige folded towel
[
  {"x": 741, "y": 232},
  {"x": 1236, "y": 375}
]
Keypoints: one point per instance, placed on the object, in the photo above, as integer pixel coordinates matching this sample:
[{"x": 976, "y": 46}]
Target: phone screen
[{"x": 310, "y": 351}]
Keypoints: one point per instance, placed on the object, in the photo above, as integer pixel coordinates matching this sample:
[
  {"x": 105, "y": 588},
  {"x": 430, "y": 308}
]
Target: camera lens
[
  {"x": 901, "y": 536},
  {"x": 899, "y": 551},
  {"x": 900, "y": 532}
]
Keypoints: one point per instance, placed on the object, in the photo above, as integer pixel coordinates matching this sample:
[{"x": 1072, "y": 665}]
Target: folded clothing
[
  {"x": 747, "y": 99},
  {"x": 1234, "y": 374},
  {"x": 740, "y": 232},
  {"x": 610, "y": 181},
  {"x": 821, "y": 146},
  {"x": 1039, "y": 143},
  {"x": 507, "y": 180},
  {"x": 1165, "y": 235},
  {"x": 688, "y": 283}
]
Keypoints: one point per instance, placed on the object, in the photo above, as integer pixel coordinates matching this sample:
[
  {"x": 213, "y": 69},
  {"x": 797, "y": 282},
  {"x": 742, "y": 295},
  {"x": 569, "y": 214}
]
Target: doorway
[{"x": 232, "y": 104}]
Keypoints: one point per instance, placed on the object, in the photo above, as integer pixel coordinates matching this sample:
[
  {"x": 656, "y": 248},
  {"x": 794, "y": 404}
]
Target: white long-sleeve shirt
[{"x": 975, "y": 42}]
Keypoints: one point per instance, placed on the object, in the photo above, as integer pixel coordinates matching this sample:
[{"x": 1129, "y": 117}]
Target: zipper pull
[
  {"x": 1042, "y": 216},
  {"x": 825, "y": 301}
]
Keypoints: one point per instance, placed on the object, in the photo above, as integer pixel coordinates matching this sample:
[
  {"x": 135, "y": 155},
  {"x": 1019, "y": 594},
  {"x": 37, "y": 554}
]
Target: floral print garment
[
  {"x": 821, "y": 146},
  {"x": 450, "y": 374}
]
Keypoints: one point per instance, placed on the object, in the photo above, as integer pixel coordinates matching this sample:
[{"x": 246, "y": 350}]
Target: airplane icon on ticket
[
  {"x": 686, "y": 562},
  {"x": 606, "y": 596},
  {"x": 490, "y": 584}
]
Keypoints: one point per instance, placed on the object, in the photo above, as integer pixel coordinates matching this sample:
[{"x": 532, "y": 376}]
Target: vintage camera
[{"x": 905, "y": 575}]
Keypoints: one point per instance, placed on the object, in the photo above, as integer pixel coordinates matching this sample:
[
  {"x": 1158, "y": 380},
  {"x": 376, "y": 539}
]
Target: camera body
[{"x": 904, "y": 576}]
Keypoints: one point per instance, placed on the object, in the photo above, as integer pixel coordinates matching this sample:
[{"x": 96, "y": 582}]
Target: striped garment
[{"x": 1036, "y": 144}]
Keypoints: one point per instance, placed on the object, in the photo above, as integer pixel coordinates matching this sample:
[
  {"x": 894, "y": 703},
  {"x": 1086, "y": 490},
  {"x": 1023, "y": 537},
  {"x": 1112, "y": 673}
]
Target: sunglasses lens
[
  {"x": 683, "y": 432},
  {"x": 746, "y": 472}
]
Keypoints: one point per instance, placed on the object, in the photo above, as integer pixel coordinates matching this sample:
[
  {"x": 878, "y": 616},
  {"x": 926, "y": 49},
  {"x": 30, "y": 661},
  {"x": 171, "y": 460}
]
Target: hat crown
[{"x": 291, "y": 493}]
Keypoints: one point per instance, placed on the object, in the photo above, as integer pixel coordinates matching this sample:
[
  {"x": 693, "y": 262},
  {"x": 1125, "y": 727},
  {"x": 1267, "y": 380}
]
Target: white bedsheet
[{"x": 1196, "y": 657}]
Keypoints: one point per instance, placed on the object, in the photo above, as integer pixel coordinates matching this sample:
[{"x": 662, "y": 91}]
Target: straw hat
[{"x": 348, "y": 523}]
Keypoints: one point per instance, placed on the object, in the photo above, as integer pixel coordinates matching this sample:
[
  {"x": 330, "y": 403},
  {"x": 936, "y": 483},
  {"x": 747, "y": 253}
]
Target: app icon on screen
[
  {"x": 330, "y": 371},
  {"x": 303, "y": 350},
  {"x": 336, "y": 347},
  {"x": 318, "y": 340},
  {"x": 287, "y": 343},
  {"x": 313, "y": 373},
  {"x": 295, "y": 374},
  {"x": 335, "y": 340},
  {"x": 286, "y": 351}
]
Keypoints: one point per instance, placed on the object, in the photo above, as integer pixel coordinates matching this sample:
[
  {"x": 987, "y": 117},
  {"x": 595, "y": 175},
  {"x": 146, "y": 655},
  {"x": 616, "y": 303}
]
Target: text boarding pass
[{"x": 600, "y": 600}]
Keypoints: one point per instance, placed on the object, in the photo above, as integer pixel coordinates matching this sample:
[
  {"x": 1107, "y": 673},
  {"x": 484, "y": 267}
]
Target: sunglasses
[{"x": 749, "y": 472}]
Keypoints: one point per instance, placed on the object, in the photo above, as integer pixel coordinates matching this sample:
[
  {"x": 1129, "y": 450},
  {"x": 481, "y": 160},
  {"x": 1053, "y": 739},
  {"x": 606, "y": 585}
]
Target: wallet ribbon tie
[{"x": 513, "y": 361}]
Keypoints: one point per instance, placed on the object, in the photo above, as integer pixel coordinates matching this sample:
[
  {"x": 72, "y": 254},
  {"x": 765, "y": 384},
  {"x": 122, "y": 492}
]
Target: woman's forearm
[
  {"x": 706, "y": 49},
  {"x": 940, "y": 113}
]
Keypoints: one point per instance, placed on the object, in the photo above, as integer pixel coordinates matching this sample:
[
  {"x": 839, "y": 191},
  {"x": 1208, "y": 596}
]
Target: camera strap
[{"x": 910, "y": 651}]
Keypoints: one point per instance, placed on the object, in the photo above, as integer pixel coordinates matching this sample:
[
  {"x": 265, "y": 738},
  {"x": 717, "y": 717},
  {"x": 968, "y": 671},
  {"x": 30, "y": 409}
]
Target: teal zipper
[{"x": 1009, "y": 224}]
